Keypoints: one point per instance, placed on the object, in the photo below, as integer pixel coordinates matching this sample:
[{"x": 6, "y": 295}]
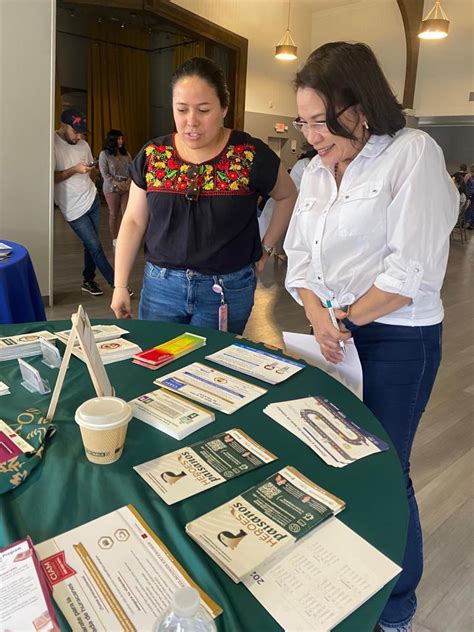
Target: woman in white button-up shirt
[{"x": 370, "y": 233}]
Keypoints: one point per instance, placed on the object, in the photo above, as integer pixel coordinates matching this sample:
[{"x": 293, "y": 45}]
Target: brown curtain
[
  {"x": 186, "y": 51},
  {"x": 118, "y": 85}
]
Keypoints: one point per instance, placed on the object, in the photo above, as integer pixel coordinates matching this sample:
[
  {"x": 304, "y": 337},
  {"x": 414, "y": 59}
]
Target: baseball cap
[{"x": 75, "y": 119}]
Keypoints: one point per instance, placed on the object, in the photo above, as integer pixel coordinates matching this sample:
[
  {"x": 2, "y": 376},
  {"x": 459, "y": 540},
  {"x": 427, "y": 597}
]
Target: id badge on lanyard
[{"x": 223, "y": 307}]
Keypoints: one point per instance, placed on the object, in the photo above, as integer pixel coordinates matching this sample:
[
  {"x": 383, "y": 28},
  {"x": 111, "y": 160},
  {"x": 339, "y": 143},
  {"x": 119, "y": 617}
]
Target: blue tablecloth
[{"x": 20, "y": 296}]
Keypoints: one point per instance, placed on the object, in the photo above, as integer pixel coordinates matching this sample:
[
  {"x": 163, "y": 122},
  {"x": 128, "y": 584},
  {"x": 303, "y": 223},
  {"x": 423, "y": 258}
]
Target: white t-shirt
[
  {"x": 75, "y": 195},
  {"x": 388, "y": 225}
]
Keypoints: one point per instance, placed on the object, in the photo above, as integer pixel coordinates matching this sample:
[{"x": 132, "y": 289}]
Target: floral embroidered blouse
[{"x": 216, "y": 233}]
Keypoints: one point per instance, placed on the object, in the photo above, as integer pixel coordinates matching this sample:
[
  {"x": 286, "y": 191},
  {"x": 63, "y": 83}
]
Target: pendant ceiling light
[
  {"x": 286, "y": 47},
  {"x": 436, "y": 23}
]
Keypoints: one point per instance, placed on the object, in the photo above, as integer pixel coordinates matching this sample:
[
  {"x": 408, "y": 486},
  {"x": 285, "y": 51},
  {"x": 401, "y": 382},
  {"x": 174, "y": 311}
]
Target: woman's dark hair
[
  {"x": 205, "y": 69},
  {"x": 346, "y": 74},
  {"x": 111, "y": 144}
]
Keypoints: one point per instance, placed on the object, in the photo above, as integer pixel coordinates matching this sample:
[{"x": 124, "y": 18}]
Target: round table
[
  {"x": 66, "y": 490},
  {"x": 20, "y": 296}
]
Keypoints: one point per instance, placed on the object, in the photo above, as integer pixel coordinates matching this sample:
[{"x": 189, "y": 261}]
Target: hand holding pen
[{"x": 335, "y": 323}]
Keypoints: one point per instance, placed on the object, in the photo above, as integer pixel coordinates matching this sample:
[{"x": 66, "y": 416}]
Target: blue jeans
[
  {"x": 86, "y": 228},
  {"x": 186, "y": 296},
  {"x": 399, "y": 366}
]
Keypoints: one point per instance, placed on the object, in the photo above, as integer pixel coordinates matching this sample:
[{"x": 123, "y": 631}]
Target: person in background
[
  {"x": 296, "y": 173},
  {"x": 370, "y": 233},
  {"x": 468, "y": 189},
  {"x": 114, "y": 161},
  {"x": 463, "y": 200},
  {"x": 194, "y": 196},
  {"x": 462, "y": 171},
  {"x": 76, "y": 196},
  {"x": 300, "y": 165}
]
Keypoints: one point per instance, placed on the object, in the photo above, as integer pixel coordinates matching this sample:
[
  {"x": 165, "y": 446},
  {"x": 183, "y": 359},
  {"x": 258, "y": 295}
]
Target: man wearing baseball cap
[{"x": 76, "y": 195}]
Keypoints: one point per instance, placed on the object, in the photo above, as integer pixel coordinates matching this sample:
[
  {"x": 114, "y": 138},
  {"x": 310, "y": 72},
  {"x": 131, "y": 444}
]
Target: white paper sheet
[
  {"x": 347, "y": 372},
  {"x": 322, "y": 579},
  {"x": 257, "y": 363}
]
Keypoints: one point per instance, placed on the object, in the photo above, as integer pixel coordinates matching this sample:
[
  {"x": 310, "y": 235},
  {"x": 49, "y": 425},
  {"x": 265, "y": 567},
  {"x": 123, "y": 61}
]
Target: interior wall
[
  {"x": 262, "y": 22},
  {"x": 446, "y": 67},
  {"x": 27, "y": 43},
  {"x": 377, "y": 23},
  {"x": 263, "y": 126},
  {"x": 455, "y": 137}
]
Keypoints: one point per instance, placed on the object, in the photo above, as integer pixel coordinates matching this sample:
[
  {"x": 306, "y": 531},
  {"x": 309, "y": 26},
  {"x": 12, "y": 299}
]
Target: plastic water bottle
[{"x": 185, "y": 614}]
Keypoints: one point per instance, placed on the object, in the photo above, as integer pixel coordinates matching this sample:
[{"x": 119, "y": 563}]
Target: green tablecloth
[{"x": 65, "y": 490}]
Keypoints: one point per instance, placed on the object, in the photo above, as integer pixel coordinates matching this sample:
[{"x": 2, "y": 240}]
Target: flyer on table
[
  {"x": 113, "y": 573},
  {"x": 322, "y": 579},
  {"x": 173, "y": 415},
  {"x": 266, "y": 519},
  {"x": 256, "y": 363},
  {"x": 25, "y": 603},
  {"x": 100, "y": 332},
  {"x": 326, "y": 430},
  {"x": 211, "y": 387},
  {"x": 203, "y": 465}
]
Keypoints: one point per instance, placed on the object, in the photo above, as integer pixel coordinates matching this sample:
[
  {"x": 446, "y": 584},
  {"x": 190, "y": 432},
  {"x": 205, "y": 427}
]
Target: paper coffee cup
[{"x": 103, "y": 422}]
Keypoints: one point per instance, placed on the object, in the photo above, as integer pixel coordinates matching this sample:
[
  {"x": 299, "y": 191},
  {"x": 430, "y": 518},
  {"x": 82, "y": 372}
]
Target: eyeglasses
[
  {"x": 318, "y": 126},
  {"x": 192, "y": 192}
]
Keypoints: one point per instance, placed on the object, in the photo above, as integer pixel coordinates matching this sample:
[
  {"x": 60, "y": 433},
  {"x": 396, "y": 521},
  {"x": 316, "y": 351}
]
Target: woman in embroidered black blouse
[{"x": 194, "y": 193}]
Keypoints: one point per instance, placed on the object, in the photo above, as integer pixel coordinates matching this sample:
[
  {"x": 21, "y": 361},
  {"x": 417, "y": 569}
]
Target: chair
[{"x": 461, "y": 222}]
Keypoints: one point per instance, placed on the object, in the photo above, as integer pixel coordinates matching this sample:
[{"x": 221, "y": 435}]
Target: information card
[
  {"x": 203, "y": 465},
  {"x": 114, "y": 574},
  {"x": 211, "y": 387},
  {"x": 25, "y": 603}
]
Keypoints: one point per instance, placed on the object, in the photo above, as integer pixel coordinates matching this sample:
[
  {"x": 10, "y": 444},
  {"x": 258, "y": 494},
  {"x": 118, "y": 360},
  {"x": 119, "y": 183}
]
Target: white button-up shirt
[{"x": 388, "y": 225}]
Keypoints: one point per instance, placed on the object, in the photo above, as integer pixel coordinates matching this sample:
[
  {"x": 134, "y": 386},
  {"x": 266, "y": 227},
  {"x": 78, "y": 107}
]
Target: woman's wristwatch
[
  {"x": 347, "y": 322},
  {"x": 269, "y": 250}
]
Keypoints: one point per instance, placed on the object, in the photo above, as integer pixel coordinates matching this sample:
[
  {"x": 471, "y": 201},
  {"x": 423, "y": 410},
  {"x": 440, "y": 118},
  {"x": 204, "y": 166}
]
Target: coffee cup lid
[{"x": 103, "y": 413}]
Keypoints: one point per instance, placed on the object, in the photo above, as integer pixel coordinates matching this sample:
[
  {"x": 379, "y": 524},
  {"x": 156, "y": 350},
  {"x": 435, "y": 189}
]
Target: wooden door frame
[
  {"x": 198, "y": 28},
  {"x": 412, "y": 14}
]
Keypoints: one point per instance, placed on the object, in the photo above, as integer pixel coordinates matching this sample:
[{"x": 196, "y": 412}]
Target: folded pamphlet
[
  {"x": 322, "y": 579},
  {"x": 204, "y": 464},
  {"x": 24, "y": 596},
  {"x": 23, "y": 345},
  {"x": 11, "y": 444},
  {"x": 257, "y": 363},
  {"x": 114, "y": 573},
  {"x": 211, "y": 387},
  {"x": 160, "y": 355},
  {"x": 4, "y": 389},
  {"x": 100, "y": 332},
  {"x": 110, "y": 351},
  {"x": 326, "y": 430},
  {"x": 263, "y": 521},
  {"x": 173, "y": 415}
]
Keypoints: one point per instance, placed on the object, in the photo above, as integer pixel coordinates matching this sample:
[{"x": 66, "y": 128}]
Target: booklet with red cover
[{"x": 160, "y": 355}]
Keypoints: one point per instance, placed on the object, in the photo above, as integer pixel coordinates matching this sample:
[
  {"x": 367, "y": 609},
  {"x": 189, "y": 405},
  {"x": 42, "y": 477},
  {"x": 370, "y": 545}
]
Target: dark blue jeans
[
  {"x": 399, "y": 366},
  {"x": 186, "y": 296},
  {"x": 86, "y": 228}
]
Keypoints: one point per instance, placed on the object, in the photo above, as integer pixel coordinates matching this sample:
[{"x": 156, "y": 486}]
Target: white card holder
[
  {"x": 51, "y": 355},
  {"x": 32, "y": 379}
]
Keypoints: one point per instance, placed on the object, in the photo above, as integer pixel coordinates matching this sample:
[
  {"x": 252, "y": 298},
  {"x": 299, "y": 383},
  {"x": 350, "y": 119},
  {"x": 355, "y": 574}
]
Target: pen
[{"x": 334, "y": 322}]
